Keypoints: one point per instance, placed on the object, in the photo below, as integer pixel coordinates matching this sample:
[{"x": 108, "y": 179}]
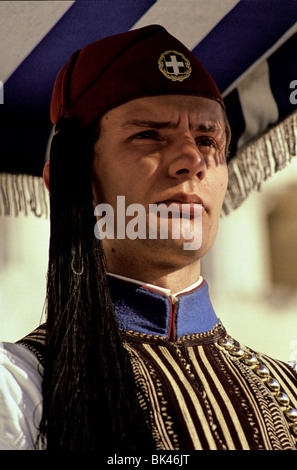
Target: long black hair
[{"x": 89, "y": 393}]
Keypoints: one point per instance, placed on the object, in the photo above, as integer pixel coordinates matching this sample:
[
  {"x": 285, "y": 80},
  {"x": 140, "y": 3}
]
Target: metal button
[
  {"x": 237, "y": 351},
  {"x": 262, "y": 371},
  {"x": 282, "y": 398},
  {"x": 226, "y": 343},
  {"x": 273, "y": 384},
  {"x": 250, "y": 359},
  {"x": 291, "y": 414}
]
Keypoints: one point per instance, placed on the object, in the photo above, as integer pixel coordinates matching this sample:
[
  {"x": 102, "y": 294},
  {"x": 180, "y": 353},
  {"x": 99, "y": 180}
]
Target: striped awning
[{"x": 248, "y": 46}]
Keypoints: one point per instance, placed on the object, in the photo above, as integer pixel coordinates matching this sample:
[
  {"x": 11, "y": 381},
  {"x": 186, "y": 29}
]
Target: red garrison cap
[{"x": 112, "y": 71}]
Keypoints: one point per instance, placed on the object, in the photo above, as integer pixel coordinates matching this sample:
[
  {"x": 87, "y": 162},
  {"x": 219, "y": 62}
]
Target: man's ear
[{"x": 46, "y": 175}]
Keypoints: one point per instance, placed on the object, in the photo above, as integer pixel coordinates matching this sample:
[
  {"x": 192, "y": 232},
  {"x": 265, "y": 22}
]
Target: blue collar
[{"x": 148, "y": 311}]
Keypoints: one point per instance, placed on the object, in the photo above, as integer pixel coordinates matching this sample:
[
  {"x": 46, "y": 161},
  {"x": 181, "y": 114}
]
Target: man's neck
[{"x": 174, "y": 278}]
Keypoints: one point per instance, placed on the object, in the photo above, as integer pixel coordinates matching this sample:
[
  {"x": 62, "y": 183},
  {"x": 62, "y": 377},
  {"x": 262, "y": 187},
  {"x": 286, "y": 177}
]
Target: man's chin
[{"x": 173, "y": 249}]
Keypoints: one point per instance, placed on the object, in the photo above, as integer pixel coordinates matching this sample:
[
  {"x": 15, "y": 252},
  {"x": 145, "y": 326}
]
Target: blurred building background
[{"x": 251, "y": 270}]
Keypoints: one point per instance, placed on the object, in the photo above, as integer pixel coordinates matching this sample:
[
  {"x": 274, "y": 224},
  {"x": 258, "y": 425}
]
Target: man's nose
[{"x": 186, "y": 159}]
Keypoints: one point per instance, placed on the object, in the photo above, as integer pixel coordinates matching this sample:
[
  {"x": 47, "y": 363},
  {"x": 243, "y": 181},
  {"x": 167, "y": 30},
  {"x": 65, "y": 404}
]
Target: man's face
[{"x": 163, "y": 149}]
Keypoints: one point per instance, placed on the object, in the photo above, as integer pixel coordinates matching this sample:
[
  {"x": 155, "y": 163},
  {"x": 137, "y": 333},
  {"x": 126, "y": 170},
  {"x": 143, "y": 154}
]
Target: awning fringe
[
  {"x": 23, "y": 194},
  {"x": 260, "y": 160}
]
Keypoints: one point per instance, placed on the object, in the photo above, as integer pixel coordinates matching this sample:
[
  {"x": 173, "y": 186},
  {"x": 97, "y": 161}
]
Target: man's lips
[{"x": 181, "y": 198}]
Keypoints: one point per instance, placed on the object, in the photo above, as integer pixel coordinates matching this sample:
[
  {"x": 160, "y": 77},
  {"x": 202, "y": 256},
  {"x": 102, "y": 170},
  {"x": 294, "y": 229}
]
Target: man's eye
[
  {"x": 206, "y": 142},
  {"x": 145, "y": 135}
]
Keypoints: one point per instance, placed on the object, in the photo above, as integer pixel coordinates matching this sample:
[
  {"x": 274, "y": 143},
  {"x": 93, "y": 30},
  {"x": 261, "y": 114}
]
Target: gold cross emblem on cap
[{"x": 174, "y": 65}]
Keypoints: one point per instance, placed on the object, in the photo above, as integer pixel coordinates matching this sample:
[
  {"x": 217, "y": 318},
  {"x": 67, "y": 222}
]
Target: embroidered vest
[{"x": 207, "y": 392}]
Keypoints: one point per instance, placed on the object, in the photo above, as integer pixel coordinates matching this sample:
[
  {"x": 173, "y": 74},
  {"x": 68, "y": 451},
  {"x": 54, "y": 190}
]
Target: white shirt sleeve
[
  {"x": 20, "y": 397},
  {"x": 293, "y": 364}
]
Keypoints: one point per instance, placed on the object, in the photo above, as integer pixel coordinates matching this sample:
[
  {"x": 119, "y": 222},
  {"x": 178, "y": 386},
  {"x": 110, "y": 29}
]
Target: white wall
[{"x": 23, "y": 267}]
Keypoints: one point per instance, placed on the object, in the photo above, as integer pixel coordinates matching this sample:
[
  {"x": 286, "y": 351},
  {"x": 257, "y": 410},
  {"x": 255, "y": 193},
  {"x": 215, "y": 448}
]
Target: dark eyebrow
[
  {"x": 148, "y": 124},
  {"x": 211, "y": 127}
]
